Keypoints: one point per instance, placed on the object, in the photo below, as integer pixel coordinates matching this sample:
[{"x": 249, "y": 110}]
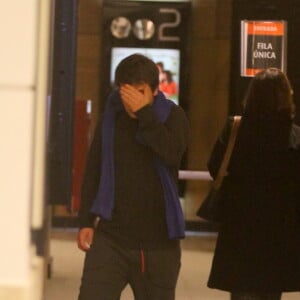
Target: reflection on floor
[{"x": 196, "y": 259}]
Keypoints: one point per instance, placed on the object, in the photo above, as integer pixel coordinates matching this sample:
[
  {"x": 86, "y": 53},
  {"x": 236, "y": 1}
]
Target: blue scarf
[{"x": 104, "y": 201}]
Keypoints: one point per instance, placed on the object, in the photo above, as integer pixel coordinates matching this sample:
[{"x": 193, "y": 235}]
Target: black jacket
[
  {"x": 258, "y": 247},
  {"x": 139, "y": 213}
]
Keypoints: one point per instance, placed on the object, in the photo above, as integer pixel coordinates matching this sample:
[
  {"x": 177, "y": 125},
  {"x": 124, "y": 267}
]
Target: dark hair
[
  {"x": 270, "y": 93},
  {"x": 160, "y": 64},
  {"x": 169, "y": 75},
  {"x": 136, "y": 69}
]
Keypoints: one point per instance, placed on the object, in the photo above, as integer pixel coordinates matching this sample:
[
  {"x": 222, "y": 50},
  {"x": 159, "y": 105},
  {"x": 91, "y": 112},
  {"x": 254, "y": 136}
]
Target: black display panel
[{"x": 159, "y": 30}]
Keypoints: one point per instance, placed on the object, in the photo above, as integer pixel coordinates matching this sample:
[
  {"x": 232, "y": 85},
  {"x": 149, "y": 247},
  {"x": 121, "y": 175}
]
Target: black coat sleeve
[
  {"x": 219, "y": 149},
  {"x": 295, "y": 145},
  {"x": 167, "y": 140},
  {"x": 91, "y": 179}
]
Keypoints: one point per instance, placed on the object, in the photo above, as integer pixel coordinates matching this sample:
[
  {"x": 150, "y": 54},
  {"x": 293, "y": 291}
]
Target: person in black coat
[
  {"x": 257, "y": 255},
  {"x": 130, "y": 183}
]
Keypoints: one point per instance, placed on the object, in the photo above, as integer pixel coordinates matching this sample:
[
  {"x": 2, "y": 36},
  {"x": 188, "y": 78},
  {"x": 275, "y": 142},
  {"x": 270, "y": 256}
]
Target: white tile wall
[
  {"x": 16, "y": 123},
  {"x": 18, "y": 36},
  {"x": 23, "y": 52}
]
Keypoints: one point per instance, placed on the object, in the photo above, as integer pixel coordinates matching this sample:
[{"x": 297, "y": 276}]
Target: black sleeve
[
  {"x": 167, "y": 140},
  {"x": 218, "y": 150},
  {"x": 295, "y": 146},
  {"x": 91, "y": 179}
]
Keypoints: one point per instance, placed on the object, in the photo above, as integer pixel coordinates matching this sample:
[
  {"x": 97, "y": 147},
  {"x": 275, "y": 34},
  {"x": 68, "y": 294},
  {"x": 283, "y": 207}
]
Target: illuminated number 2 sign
[
  {"x": 165, "y": 25},
  {"x": 144, "y": 28}
]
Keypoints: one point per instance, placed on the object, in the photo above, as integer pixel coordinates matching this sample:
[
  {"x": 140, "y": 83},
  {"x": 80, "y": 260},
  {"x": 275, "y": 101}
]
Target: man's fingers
[
  {"x": 129, "y": 93},
  {"x": 136, "y": 97},
  {"x": 148, "y": 91},
  {"x": 85, "y": 238}
]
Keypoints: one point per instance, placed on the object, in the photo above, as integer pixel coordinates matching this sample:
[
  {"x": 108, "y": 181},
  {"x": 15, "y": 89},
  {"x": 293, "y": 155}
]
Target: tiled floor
[{"x": 196, "y": 259}]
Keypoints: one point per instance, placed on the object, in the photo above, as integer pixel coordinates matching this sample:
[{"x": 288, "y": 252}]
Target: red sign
[{"x": 263, "y": 45}]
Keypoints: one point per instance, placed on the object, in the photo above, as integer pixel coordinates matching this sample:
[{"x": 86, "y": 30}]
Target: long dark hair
[
  {"x": 264, "y": 132},
  {"x": 270, "y": 94}
]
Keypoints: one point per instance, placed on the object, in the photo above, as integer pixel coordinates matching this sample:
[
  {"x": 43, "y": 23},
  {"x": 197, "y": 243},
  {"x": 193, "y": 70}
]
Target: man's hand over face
[{"x": 134, "y": 97}]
